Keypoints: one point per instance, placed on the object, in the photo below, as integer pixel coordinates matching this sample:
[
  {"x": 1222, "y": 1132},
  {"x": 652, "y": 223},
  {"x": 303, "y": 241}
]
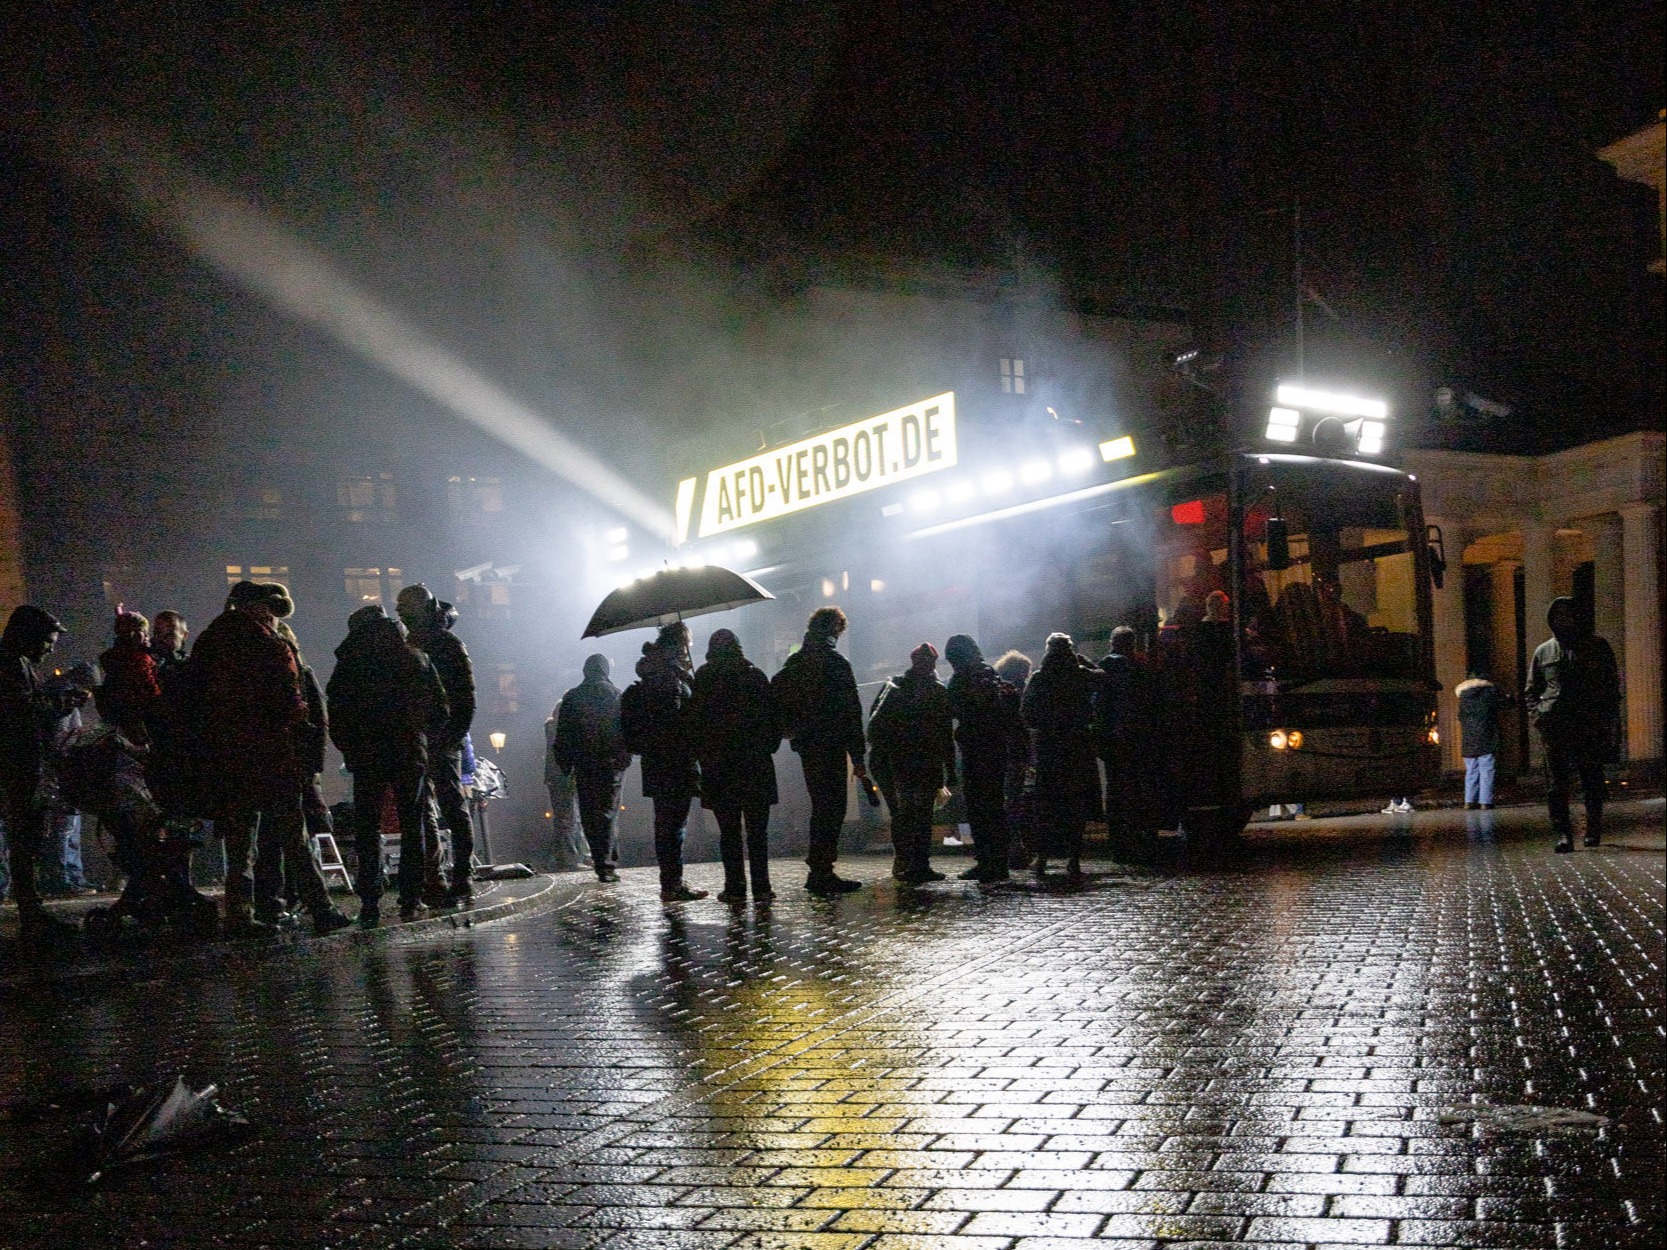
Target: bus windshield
[{"x": 1337, "y": 596}]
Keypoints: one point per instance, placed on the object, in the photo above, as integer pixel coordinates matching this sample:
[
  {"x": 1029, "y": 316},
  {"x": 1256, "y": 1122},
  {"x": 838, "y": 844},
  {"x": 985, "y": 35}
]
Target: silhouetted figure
[
  {"x": 1574, "y": 697},
  {"x": 252, "y": 716},
  {"x": 1126, "y": 721},
  {"x": 1014, "y": 667},
  {"x": 386, "y": 699},
  {"x": 28, "y": 713},
  {"x": 732, "y": 715},
  {"x": 1478, "y": 737},
  {"x": 1059, "y": 708},
  {"x": 987, "y": 718},
  {"x": 911, "y": 753},
  {"x": 589, "y": 746},
  {"x": 816, "y": 694},
  {"x": 654, "y": 716},
  {"x": 428, "y": 623}
]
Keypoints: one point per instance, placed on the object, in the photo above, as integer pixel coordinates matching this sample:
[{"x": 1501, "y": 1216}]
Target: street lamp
[{"x": 497, "y": 738}]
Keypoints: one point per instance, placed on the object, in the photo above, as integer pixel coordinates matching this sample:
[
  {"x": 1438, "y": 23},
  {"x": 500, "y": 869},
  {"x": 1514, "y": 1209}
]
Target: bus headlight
[
  {"x": 1295, "y": 739},
  {"x": 1434, "y": 736},
  {"x": 1278, "y": 740}
]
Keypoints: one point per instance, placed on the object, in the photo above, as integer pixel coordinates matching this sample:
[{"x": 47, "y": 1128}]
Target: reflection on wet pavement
[{"x": 1345, "y": 1040}]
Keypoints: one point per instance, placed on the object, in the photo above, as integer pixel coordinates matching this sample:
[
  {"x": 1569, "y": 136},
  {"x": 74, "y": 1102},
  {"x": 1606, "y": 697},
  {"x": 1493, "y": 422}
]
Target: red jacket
[{"x": 253, "y": 712}]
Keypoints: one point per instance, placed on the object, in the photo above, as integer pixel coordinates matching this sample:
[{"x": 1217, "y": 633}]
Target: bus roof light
[
  {"x": 1117, "y": 448},
  {"x": 1283, "y": 424},
  {"x": 1332, "y": 402},
  {"x": 1371, "y": 438}
]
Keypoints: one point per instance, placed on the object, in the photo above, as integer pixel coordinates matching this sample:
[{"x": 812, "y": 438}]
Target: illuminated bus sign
[{"x": 836, "y": 464}]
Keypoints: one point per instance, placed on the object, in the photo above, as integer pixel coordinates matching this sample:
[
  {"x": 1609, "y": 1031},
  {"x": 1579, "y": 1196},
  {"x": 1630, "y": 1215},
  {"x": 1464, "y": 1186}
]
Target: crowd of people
[
  {"x": 230, "y": 737},
  {"x": 228, "y": 740}
]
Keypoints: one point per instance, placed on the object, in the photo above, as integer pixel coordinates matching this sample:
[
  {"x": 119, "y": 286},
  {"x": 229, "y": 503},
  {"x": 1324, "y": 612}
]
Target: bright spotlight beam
[{"x": 271, "y": 262}]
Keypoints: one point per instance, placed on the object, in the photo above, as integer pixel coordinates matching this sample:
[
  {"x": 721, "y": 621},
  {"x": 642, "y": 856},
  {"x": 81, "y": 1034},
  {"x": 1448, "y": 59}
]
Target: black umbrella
[{"x": 671, "y": 595}]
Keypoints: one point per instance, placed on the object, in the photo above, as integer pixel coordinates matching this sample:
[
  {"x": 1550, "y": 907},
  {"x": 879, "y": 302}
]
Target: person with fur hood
[
  {"x": 911, "y": 753},
  {"x": 1478, "y": 737},
  {"x": 653, "y": 714}
]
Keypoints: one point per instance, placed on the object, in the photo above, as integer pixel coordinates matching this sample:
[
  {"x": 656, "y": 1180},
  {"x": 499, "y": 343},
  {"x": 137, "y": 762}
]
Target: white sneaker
[
  {"x": 1403, "y": 809},
  {"x": 1393, "y": 809}
]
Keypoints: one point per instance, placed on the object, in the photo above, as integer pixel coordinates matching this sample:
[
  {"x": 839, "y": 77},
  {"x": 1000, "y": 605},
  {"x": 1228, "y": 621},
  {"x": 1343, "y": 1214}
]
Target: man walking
[
  {"x": 588, "y": 747},
  {"x": 429, "y": 623},
  {"x": 912, "y": 753},
  {"x": 821, "y": 711},
  {"x": 653, "y": 715},
  {"x": 1574, "y": 697},
  {"x": 28, "y": 714},
  {"x": 986, "y": 711},
  {"x": 385, "y": 697}
]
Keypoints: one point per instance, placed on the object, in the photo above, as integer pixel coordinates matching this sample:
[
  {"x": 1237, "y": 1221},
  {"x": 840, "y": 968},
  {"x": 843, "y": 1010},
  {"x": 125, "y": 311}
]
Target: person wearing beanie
[
  {"x": 253, "y": 714},
  {"x": 653, "y": 715},
  {"x": 587, "y": 745},
  {"x": 1058, "y": 707},
  {"x": 911, "y": 752},
  {"x": 28, "y": 710},
  {"x": 732, "y": 716},
  {"x": 428, "y": 622},
  {"x": 986, "y": 712},
  {"x": 1574, "y": 700},
  {"x": 821, "y": 711}
]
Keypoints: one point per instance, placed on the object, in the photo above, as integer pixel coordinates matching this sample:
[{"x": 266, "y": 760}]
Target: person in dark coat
[
  {"x": 1013, "y": 667},
  {"x": 253, "y": 717},
  {"x": 385, "y": 698},
  {"x": 911, "y": 754},
  {"x": 175, "y": 769},
  {"x": 428, "y": 622},
  {"x": 1059, "y": 709},
  {"x": 732, "y": 715},
  {"x": 1478, "y": 737},
  {"x": 816, "y": 694},
  {"x": 986, "y": 712},
  {"x": 1126, "y": 724},
  {"x": 653, "y": 713},
  {"x": 1574, "y": 698},
  {"x": 28, "y": 713},
  {"x": 589, "y": 746}
]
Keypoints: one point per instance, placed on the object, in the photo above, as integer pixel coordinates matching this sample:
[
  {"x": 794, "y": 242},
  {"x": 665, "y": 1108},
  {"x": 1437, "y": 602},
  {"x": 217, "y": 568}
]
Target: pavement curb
[{"x": 143, "y": 965}]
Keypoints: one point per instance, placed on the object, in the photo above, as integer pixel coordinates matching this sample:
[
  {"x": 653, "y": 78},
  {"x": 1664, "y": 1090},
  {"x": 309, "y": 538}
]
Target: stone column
[
  {"x": 1643, "y": 632},
  {"x": 1507, "y": 674},
  {"x": 1450, "y": 650},
  {"x": 1609, "y": 582},
  {"x": 1537, "y": 594}
]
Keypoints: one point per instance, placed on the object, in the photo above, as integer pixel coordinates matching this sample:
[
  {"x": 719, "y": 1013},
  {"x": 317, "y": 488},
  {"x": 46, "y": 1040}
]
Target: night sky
[{"x": 475, "y": 162}]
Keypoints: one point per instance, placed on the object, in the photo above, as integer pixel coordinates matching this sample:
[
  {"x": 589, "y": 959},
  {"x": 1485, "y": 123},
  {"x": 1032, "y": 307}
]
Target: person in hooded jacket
[
  {"x": 653, "y": 716},
  {"x": 428, "y": 622},
  {"x": 821, "y": 711},
  {"x": 28, "y": 713},
  {"x": 1574, "y": 698},
  {"x": 252, "y": 717},
  {"x": 736, "y": 729},
  {"x": 986, "y": 712},
  {"x": 588, "y": 745},
  {"x": 1478, "y": 737},
  {"x": 385, "y": 698},
  {"x": 911, "y": 753},
  {"x": 1059, "y": 708},
  {"x": 1013, "y": 667}
]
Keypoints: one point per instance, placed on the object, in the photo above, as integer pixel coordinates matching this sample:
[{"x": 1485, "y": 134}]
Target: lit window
[
  {"x": 509, "y": 692},
  {"x": 364, "y": 498},
  {"x": 371, "y": 585},
  {"x": 1012, "y": 375},
  {"x": 475, "y": 496},
  {"x": 236, "y": 573}
]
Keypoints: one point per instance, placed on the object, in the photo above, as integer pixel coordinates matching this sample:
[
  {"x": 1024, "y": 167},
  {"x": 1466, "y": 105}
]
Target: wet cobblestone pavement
[{"x": 1310, "y": 1048}]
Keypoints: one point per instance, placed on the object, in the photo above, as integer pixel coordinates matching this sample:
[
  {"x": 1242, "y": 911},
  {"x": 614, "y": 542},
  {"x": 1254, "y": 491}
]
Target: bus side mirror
[
  {"x": 1277, "y": 535},
  {"x": 1438, "y": 555}
]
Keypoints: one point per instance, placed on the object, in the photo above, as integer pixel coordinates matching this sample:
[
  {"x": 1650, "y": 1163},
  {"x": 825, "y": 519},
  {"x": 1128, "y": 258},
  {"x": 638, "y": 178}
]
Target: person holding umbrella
[
  {"x": 653, "y": 713},
  {"x": 732, "y": 715},
  {"x": 822, "y": 714}
]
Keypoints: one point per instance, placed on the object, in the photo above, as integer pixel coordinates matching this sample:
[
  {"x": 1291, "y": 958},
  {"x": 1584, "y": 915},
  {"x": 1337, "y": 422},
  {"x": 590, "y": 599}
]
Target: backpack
[{"x": 635, "y": 720}]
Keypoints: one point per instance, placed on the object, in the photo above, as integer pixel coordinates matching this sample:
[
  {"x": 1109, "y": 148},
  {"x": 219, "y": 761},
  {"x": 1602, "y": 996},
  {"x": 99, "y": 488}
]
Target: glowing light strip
[
  {"x": 1034, "y": 505},
  {"x": 272, "y": 263},
  {"x": 1330, "y": 401}
]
